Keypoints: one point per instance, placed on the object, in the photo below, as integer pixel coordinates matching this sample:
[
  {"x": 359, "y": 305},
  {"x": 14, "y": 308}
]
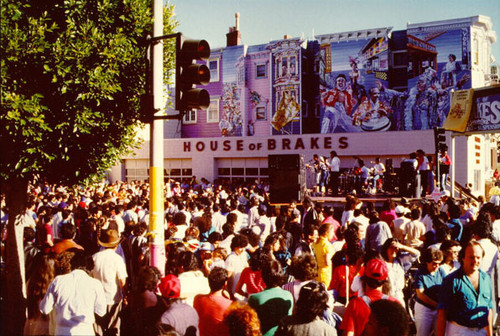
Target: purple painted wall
[
  {"x": 258, "y": 92},
  {"x": 201, "y": 128}
]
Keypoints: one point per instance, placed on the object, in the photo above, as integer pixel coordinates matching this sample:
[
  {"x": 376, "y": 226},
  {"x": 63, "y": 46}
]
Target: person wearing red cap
[
  {"x": 179, "y": 315},
  {"x": 358, "y": 310}
]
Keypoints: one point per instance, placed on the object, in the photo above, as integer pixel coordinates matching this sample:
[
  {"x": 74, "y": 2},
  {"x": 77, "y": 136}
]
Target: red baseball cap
[
  {"x": 170, "y": 286},
  {"x": 376, "y": 269}
]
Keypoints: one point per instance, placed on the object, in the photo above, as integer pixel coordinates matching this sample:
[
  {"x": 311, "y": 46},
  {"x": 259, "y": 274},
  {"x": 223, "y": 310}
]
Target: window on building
[
  {"x": 213, "y": 111},
  {"x": 213, "y": 66},
  {"x": 189, "y": 117},
  {"x": 284, "y": 66},
  {"x": 260, "y": 113},
  {"x": 175, "y": 172},
  {"x": 477, "y": 179},
  {"x": 261, "y": 71},
  {"x": 224, "y": 171},
  {"x": 238, "y": 171},
  {"x": 240, "y": 76},
  {"x": 252, "y": 171}
]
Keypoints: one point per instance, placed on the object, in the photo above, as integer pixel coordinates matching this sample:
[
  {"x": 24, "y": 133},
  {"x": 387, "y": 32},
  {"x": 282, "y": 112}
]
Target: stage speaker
[
  {"x": 388, "y": 166},
  {"x": 287, "y": 178},
  {"x": 407, "y": 176}
]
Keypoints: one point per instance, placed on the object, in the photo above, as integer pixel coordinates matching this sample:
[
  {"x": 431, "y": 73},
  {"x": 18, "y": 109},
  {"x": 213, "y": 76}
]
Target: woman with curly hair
[
  {"x": 242, "y": 320},
  {"x": 43, "y": 273},
  {"x": 312, "y": 302},
  {"x": 303, "y": 269}
]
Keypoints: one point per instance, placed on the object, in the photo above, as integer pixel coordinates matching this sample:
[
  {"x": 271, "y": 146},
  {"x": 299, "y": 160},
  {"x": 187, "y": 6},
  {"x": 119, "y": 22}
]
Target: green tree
[{"x": 72, "y": 74}]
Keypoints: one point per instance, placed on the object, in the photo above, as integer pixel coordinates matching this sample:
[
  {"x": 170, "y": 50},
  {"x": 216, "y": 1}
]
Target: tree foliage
[{"x": 72, "y": 73}]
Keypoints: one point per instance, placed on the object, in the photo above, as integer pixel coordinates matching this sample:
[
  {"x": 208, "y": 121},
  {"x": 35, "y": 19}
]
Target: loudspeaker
[
  {"x": 287, "y": 178},
  {"x": 407, "y": 175},
  {"x": 388, "y": 166},
  {"x": 285, "y": 162}
]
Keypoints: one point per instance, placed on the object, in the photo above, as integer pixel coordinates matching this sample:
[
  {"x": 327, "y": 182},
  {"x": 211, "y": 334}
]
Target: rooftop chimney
[{"x": 234, "y": 36}]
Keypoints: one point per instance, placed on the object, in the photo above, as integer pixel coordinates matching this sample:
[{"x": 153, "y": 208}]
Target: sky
[{"x": 262, "y": 21}]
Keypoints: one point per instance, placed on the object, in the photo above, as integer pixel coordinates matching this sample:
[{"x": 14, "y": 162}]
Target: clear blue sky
[{"x": 264, "y": 20}]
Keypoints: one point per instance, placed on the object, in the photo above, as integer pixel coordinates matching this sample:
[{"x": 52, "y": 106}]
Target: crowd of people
[{"x": 237, "y": 265}]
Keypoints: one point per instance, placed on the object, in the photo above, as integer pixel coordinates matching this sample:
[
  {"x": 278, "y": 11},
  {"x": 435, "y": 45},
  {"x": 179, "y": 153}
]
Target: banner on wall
[
  {"x": 461, "y": 105},
  {"x": 485, "y": 114}
]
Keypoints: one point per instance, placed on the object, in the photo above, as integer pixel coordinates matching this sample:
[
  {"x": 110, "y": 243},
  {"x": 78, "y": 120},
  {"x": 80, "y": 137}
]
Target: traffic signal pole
[
  {"x": 156, "y": 180},
  {"x": 188, "y": 97}
]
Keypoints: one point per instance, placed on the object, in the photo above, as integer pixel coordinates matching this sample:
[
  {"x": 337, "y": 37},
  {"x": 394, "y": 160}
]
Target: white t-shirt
[
  {"x": 335, "y": 164},
  {"x": 109, "y": 269},
  {"x": 76, "y": 297},
  {"x": 192, "y": 284},
  {"x": 236, "y": 264}
]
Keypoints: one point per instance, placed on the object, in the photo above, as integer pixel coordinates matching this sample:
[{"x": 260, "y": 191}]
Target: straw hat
[{"x": 109, "y": 238}]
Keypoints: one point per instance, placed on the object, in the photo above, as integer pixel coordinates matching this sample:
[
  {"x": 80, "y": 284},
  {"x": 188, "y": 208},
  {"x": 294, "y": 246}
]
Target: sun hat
[{"x": 109, "y": 238}]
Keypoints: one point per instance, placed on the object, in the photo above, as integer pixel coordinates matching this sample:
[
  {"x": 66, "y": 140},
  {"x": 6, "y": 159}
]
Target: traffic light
[
  {"x": 439, "y": 139},
  {"x": 188, "y": 74}
]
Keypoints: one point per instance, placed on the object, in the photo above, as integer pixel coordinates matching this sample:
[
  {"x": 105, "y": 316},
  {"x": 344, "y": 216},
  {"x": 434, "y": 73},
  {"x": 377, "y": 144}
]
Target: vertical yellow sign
[
  {"x": 461, "y": 105},
  {"x": 156, "y": 222}
]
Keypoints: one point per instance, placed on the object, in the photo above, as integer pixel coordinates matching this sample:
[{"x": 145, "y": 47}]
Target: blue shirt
[
  {"x": 464, "y": 305},
  {"x": 456, "y": 229},
  {"x": 430, "y": 283}
]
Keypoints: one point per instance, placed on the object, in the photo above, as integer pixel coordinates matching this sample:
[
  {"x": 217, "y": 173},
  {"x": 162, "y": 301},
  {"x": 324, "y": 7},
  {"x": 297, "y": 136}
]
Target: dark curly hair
[
  {"x": 312, "y": 302},
  {"x": 239, "y": 241},
  {"x": 431, "y": 254},
  {"x": 304, "y": 267},
  {"x": 217, "y": 278},
  {"x": 148, "y": 278},
  {"x": 392, "y": 315},
  {"x": 188, "y": 261},
  {"x": 258, "y": 258},
  {"x": 272, "y": 273}
]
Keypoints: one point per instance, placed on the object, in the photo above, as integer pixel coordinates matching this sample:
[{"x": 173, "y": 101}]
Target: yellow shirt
[{"x": 321, "y": 249}]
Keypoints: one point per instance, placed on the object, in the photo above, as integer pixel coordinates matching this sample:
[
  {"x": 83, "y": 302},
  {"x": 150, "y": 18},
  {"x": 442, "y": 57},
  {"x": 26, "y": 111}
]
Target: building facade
[{"x": 369, "y": 93}]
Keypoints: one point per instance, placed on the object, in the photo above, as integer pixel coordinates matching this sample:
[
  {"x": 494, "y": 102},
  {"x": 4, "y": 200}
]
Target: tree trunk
[{"x": 14, "y": 289}]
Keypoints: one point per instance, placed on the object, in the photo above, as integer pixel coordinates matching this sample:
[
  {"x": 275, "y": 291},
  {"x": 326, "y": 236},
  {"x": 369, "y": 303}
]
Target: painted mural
[
  {"x": 353, "y": 87},
  {"x": 286, "y": 87},
  {"x": 231, "y": 119},
  {"x": 438, "y": 62}
]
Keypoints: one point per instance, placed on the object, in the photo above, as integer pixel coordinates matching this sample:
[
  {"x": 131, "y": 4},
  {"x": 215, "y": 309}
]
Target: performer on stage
[
  {"x": 334, "y": 165},
  {"x": 379, "y": 170}
]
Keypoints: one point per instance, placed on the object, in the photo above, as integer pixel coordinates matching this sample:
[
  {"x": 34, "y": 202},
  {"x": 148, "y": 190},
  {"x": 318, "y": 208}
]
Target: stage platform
[{"x": 378, "y": 200}]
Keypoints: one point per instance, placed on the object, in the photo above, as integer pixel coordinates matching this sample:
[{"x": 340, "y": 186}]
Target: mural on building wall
[
  {"x": 353, "y": 86},
  {"x": 438, "y": 62},
  {"x": 231, "y": 119},
  {"x": 286, "y": 87}
]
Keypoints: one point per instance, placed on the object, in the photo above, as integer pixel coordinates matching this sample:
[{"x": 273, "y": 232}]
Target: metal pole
[
  {"x": 156, "y": 181},
  {"x": 453, "y": 166}
]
